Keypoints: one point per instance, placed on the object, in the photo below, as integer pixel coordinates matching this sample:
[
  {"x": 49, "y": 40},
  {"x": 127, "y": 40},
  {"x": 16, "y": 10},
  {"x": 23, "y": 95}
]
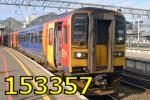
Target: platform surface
[
  {"x": 13, "y": 63},
  {"x": 138, "y": 56}
]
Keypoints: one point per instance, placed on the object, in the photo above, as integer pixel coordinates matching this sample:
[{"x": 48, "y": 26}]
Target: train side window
[
  {"x": 28, "y": 37},
  {"x": 36, "y": 38},
  {"x": 23, "y": 38},
  {"x": 40, "y": 37},
  {"x": 51, "y": 36},
  {"x": 32, "y": 38},
  {"x": 65, "y": 34}
]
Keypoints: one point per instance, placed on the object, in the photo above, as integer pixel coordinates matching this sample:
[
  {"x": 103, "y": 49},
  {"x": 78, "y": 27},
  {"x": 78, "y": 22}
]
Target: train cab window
[
  {"x": 120, "y": 32},
  {"x": 65, "y": 34},
  {"x": 51, "y": 36},
  {"x": 80, "y": 29}
]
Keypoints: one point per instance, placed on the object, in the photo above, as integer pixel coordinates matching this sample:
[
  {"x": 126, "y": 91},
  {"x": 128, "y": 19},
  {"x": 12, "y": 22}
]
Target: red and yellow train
[{"x": 86, "y": 41}]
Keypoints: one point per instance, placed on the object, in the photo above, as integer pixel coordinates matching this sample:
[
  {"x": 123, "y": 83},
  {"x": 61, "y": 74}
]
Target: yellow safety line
[{"x": 45, "y": 97}]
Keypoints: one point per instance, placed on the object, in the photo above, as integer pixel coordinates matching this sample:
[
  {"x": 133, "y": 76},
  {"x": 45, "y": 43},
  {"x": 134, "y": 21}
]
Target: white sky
[{"x": 20, "y": 13}]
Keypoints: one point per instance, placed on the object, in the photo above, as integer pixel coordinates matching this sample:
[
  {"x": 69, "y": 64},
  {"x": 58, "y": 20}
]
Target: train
[
  {"x": 83, "y": 42},
  {"x": 1, "y": 34}
]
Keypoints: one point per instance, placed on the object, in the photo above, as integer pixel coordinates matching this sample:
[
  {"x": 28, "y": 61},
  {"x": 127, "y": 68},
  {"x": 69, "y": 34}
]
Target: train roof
[
  {"x": 36, "y": 28},
  {"x": 93, "y": 9},
  {"x": 100, "y": 10}
]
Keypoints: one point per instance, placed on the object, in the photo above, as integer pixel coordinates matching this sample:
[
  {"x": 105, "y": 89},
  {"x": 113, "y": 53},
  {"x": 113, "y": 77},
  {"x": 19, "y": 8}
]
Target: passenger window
[
  {"x": 65, "y": 34},
  {"x": 51, "y": 36},
  {"x": 40, "y": 37},
  {"x": 31, "y": 36},
  {"x": 28, "y": 37},
  {"x": 23, "y": 38},
  {"x": 35, "y": 39}
]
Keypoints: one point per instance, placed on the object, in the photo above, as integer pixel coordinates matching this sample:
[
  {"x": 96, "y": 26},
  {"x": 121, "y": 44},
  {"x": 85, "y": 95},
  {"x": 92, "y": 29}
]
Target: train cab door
[
  {"x": 57, "y": 43},
  {"x": 102, "y": 44}
]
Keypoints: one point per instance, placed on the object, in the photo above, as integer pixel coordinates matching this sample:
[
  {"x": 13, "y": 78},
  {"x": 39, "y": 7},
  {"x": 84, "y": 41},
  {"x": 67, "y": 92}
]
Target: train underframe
[{"x": 101, "y": 81}]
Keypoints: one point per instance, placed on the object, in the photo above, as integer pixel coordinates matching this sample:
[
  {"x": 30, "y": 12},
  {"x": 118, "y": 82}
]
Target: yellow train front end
[{"x": 98, "y": 44}]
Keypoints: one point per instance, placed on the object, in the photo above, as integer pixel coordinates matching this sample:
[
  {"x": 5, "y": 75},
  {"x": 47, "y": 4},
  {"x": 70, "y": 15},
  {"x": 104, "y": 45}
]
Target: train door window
[
  {"x": 65, "y": 34},
  {"x": 102, "y": 31},
  {"x": 58, "y": 41},
  {"x": 51, "y": 36}
]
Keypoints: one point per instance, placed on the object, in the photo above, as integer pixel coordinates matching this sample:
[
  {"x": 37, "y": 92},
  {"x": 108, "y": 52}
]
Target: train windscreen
[
  {"x": 120, "y": 32},
  {"x": 80, "y": 29}
]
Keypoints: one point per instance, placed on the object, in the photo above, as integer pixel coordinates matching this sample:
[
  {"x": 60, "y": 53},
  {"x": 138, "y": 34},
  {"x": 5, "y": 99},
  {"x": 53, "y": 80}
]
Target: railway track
[
  {"x": 136, "y": 81},
  {"x": 106, "y": 97}
]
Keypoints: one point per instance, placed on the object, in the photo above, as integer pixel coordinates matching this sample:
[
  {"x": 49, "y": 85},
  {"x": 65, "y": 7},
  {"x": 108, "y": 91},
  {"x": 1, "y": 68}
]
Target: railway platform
[
  {"x": 138, "y": 63},
  {"x": 13, "y": 63},
  {"x": 138, "y": 69},
  {"x": 138, "y": 56}
]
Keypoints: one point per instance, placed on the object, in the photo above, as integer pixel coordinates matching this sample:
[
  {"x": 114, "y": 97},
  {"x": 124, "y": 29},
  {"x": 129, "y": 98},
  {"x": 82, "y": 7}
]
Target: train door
[
  {"x": 50, "y": 45},
  {"x": 57, "y": 43},
  {"x": 102, "y": 41}
]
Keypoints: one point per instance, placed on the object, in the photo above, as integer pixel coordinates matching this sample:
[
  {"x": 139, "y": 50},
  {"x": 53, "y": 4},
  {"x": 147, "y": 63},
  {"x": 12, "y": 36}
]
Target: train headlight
[
  {"x": 80, "y": 55},
  {"x": 119, "y": 54}
]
